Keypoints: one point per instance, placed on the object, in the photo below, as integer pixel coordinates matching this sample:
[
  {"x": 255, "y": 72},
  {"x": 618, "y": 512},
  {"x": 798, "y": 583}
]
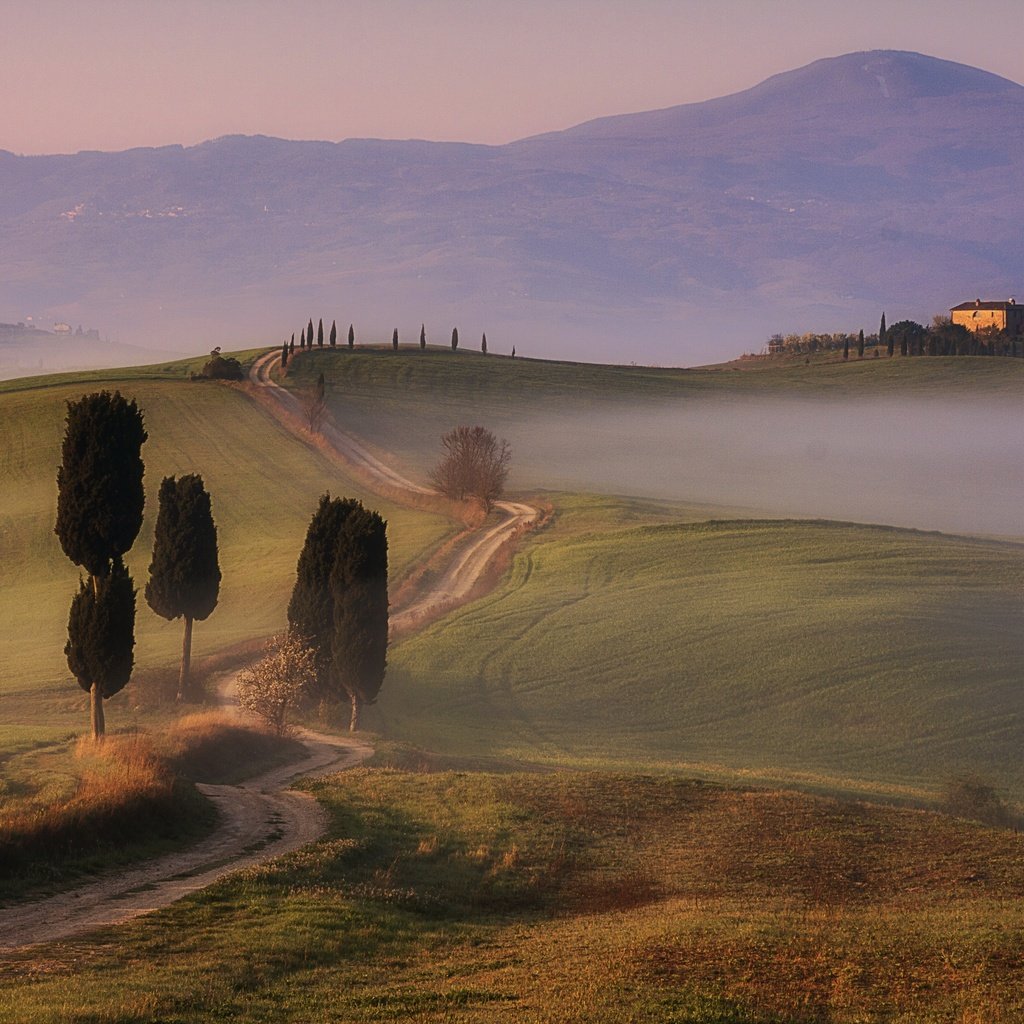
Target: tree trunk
[
  {"x": 353, "y": 725},
  {"x": 186, "y": 661},
  {"x": 96, "y": 708}
]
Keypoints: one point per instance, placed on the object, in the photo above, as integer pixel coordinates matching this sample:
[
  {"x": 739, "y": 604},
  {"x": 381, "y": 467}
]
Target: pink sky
[{"x": 112, "y": 74}]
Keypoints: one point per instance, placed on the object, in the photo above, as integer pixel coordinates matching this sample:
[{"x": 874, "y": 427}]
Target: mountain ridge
[{"x": 680, "y": 235}]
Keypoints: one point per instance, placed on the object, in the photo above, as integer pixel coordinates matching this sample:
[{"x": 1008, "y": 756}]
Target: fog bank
[{"x": 955, "y": 465}]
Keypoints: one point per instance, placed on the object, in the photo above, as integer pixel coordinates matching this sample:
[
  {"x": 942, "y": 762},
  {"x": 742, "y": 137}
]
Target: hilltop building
[{"x": 979, "y": 316}]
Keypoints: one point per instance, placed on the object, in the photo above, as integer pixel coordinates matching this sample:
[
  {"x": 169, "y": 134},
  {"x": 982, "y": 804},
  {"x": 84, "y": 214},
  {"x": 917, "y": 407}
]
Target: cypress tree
[
  {"x": 882, "y": 334},
  {"x": 423, "y": 336},
  {"x": 860, "y": 344},
  {"x": 359, "y": 588},
  {"x": 483, "y": 344},
  {"x": 184, "y": 576},
  {"x": 311, "y": 607},
  {"x": 100, "y": 499},
  {"x": 455, "y": 338},
  {"x": 291, "y": 346},
  {"x": 320, "y": 334},
  {"x": 101, "y": 637},
  {"x": 351, "y": 336},
  {"x": 309, "y": 333},
  {"x": 302, "y": 338},
  {"x": 394, "y": 340},
  {"x": 846, "y": 347},
  {"x": 513, "y": 351},
  {"x": 284, "y": 355},
  {"x": 334, "y": 333}
]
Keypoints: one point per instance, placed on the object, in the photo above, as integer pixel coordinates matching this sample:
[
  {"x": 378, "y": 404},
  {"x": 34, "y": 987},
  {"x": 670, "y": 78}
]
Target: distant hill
[{"x": 814, "y": 200}]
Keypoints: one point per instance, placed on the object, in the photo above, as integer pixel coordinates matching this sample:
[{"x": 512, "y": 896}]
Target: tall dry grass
[{"x": 124, "y": 790}]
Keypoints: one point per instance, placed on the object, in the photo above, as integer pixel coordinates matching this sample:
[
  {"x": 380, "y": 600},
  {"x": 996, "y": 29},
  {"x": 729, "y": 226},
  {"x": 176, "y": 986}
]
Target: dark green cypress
[
  {"x": 394, "y": 340},
  {"x": 101, "y": 637},
  {"x": 483, "y": 344},
  {"x": 99, "y": 482},
  {"x": 320, "y": 334},
  {"x": 359, "y": 588},
  {"x": 302, "y": 338},
  {"x": 284, "y": 355},
  {"x": 351, "y": 336},
  {"x": 184, "y": 576},
  {"x": 309, "y": 333},
  {"x": 423, "y": 336},
  {"x": 455, "y": 338},
  {"x": 860, "y": 344},
  {"x": 334, "y": 333},
  {"x": 311, "y": 607}
]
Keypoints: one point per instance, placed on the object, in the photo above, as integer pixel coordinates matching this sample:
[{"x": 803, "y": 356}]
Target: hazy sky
[{"x": 111, "y": 74}]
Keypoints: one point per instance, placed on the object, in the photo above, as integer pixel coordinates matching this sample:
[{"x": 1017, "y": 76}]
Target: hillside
[
  {"x": 869, "y": 181},
  {"x": 264, "y": 486}
]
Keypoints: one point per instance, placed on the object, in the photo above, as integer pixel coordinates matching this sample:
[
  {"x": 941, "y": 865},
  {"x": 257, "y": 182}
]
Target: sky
[{"x": 114, "y": 74}]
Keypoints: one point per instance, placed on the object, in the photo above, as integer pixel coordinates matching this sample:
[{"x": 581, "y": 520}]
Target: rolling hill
[{"x": 874, "y": 180}]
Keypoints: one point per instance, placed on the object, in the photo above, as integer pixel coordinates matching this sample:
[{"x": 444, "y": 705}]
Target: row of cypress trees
[
  {"x": 100, "y": 501},
  {"x": 306, "y": 335}
]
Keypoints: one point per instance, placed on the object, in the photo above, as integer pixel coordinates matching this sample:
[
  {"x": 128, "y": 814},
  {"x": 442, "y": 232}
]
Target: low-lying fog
[{"x": 955, "y": 465}]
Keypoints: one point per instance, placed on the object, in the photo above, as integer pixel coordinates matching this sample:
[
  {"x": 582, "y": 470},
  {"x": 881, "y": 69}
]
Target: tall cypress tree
[
  {"x": 483, "y": 344},
  {"x": 860, "y": 344},
  {"x": 302, "y": 338},
  {"x": 184, "y": 576},
  {"x": 309, "y": 333},
  {"x": 846, "y": 347},
  {"x": 100, "y": 499},
  {"x": 101, "y": 637},
  {"x": 284, "y": 355},
  {"x": 351, "y": 336},
  {"x": 394, "y": 340},
  {"x": 423, "y": 336},
  {"x": 320, "y": 334},
  {"x": 455, "y": 338},
  {"x": 334, "y": 333},
  {"x": 359, "y": 588},
  {"x": 311, "y": 607}
]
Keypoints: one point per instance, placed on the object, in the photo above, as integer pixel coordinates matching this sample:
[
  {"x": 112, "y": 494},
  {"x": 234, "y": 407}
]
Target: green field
[
  {"x": 264, "y": 486},
  {"x": 466, "y": 897},
  {"x": 822, "y": 652}
]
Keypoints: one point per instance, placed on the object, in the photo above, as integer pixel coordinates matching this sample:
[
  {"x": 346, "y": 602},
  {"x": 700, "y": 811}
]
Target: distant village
[
  {"x": 28, "y": 330},
  {"x": 978, "y": 327}
]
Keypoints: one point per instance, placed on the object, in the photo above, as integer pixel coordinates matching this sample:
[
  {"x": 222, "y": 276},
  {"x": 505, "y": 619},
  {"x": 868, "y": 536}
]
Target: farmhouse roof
[{"x": 978, "y": 304}]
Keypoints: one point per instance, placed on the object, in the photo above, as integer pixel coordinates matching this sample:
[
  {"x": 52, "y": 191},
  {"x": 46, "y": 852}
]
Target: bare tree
[
  {"x": 314, "y": 404},
  {"x": 273, "y": 686},
  {"x": 474, "y": 464}
]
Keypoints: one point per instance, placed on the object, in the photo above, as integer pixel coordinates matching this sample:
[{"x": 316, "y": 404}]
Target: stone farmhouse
[{"x": 998, "y": 316}]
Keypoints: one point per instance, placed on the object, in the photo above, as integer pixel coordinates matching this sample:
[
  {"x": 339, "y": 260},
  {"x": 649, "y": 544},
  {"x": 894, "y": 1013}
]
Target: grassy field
[
  {"x": 825, "y": 653},
  {"x": 264, "y": 485},
  {"x": 599, "y": 898}
]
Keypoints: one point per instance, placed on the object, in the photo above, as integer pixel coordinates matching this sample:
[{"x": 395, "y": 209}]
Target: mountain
[{"x": 813, "y": 201}]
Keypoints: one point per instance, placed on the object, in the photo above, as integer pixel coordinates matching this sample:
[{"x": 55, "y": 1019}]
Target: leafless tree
[
  {"x": 474, "y": 464},
  {"x": 314, "y": 404}
]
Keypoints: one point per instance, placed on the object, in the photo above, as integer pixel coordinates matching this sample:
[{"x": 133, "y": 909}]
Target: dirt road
[
  {"x": 260, "y": 819},
  {"x": 467, "y": 560}
]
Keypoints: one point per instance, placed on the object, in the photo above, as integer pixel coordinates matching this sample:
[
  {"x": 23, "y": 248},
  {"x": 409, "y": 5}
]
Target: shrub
[
  {"x": 975, "y": 799},
  {"x": 272, "y": 688},
  {"x": 220, "y": 367}
]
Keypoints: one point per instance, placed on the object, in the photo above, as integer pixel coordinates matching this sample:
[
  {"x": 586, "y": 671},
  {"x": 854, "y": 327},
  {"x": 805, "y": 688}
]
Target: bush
[
  {"x": 972, "y": 798},
  {"x": 220, "y": 367},
  {"x": 273, "y": 687},
  {"x": 474, "y": 465}
]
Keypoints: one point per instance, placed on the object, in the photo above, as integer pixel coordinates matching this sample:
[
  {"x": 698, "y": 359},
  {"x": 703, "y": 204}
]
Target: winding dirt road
[
  {"x": 262, "y": 818},
  {"x": 468, "y": 558}
]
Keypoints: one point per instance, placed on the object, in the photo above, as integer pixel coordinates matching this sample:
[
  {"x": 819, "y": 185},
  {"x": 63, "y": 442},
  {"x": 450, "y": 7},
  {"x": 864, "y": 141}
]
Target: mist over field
[{"x": 955, "y": 465}]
